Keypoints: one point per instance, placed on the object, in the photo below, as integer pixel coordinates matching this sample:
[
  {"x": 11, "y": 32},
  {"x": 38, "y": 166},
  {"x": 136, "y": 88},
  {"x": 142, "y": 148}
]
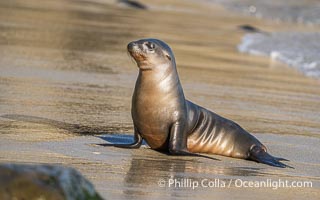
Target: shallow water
[
  {"x": 299, "y": 50},
  {"x": 65, "y": 73}
]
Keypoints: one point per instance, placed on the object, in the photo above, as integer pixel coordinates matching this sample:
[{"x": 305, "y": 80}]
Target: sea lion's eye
[{"x": 150, "y": 45}]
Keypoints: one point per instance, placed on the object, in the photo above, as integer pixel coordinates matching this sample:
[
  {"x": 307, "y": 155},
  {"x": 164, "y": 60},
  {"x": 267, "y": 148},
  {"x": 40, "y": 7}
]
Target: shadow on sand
[{"x": 76, "y": 129}]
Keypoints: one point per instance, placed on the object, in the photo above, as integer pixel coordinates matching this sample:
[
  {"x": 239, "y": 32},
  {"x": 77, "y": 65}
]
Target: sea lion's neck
[{"x": 162, "y": 79}]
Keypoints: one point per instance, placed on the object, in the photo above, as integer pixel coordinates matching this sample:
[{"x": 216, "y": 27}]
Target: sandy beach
[{"x": 66, "y": 83}]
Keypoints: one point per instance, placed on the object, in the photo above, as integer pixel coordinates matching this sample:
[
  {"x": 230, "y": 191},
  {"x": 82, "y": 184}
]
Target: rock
[
  {"x": 45, "y": 182},
  {"x": 133, "y": 4}
]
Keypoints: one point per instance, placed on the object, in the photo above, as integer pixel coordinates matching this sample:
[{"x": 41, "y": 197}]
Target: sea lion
[{"x": 168, "y": 122}]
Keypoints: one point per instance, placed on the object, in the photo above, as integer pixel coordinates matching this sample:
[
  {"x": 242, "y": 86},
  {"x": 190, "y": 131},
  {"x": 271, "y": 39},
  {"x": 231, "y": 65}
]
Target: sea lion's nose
[{"x": 131, "y": 45}]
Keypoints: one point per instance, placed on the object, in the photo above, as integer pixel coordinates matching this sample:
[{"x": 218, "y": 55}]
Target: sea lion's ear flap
[{"x": 168, "y": 56}]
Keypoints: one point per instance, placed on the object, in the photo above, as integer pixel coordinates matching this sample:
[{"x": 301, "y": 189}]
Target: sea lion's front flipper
[
  {"x": 178, "y": 142},
  {"x": 259, "y": 154},
  {"x": 135, "y": 145}
]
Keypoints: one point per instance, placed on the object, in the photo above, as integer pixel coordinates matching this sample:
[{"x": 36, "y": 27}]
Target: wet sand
[{"x": 65, "y": 79}]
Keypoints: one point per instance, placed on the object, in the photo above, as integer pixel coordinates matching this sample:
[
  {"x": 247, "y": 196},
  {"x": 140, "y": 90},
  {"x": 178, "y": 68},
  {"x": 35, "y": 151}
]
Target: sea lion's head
[{"x": 151, "y": 53}]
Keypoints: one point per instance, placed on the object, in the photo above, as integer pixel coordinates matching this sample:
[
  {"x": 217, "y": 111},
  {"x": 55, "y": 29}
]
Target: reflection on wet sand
[
  {"x": 146, "y": 173},
  {"x": 143, "y": 170}
]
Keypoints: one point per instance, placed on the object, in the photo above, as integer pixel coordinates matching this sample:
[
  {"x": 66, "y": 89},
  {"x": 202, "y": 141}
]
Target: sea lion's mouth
[
  {"x": 136, "y": 52},
  {"x": 138, "y": 55}
]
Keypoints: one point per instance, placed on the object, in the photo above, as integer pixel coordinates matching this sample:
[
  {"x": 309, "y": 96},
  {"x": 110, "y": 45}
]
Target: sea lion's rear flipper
[{"x": 260, "y": 155}]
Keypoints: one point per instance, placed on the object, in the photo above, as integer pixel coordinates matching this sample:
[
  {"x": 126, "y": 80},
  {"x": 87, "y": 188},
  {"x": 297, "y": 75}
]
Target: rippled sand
[{"x": 64, "y": 72}]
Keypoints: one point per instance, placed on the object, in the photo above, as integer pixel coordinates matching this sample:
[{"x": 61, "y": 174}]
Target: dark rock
[
  {"x": 44, "y": 182},
  {"x": 249, "y": 28},
  {"x": 133, "y": 4}
]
